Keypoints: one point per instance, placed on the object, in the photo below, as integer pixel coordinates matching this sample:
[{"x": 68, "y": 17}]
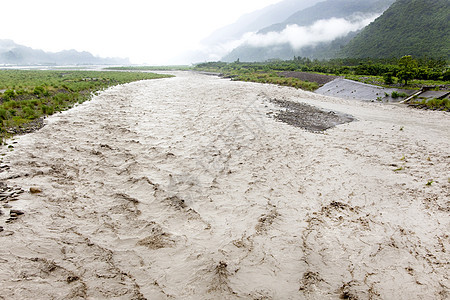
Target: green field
[{"x": 27, "y": 95}]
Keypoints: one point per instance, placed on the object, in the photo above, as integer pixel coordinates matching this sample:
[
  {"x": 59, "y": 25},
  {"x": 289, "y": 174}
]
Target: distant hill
[
  {"x": 331, "y": 9},
  {"x": 331, "y": 13},
  {"x": 15, "y": 54},
  {"x": 409, "y": 27},
  {"x": 222, "y": 41},
  {"x": 254, "y": 21}
]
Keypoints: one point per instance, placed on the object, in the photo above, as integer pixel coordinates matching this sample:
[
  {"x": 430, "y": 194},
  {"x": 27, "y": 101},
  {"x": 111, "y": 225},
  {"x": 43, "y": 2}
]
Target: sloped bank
[{"x": 354, "y": 90}]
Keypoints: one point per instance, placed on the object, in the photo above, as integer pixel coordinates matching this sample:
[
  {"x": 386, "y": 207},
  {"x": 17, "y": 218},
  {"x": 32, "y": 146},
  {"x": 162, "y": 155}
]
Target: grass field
[
  {"x": 151, "y": 68},
  {"x": 272, "y": 72}
]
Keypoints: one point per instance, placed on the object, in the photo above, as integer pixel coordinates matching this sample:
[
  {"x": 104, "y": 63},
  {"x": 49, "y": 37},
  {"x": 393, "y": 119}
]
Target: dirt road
[{"x": 189, "y": 188}]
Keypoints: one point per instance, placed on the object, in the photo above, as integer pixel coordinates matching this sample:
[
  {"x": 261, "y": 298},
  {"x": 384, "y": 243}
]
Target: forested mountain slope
[
  {"x": 319, "y": 31},
  {"x": 409, "y": 27}
]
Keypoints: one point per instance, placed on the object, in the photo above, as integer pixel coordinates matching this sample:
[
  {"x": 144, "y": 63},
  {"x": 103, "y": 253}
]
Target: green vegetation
[
  {"x": 29, "y": 94},
  {"x": 414, "y": 73},
  {"x": 418, "y": 28},
  {"x": 322, "y": 10},
  {"x": 257, "y": 72},
  {"x": 419, "y": 72},
  {"x": 274, "y": 78},
  {"x": 408, "y": 68},
  {"x": 434, "y": 104},
  {"x": 396, "y": 94},
  {"x": 151, "y": 68}
]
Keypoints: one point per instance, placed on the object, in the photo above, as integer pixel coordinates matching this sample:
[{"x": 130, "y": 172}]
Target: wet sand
[{"x": 190, "y": 188}]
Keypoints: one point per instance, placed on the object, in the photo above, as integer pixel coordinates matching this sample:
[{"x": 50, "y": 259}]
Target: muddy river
[{"x": 193, "y": 187}]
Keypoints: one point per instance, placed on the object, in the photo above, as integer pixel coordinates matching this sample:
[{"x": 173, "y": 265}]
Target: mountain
[
  {"x": 331, "y": 9},
  {"x": 254, "y": 21},
  {"x": 225, "y": 39},
  {"x": 15, "y": 54},
  {"x": 409, "y": 27},
  {"x": 319, "y": 31}
]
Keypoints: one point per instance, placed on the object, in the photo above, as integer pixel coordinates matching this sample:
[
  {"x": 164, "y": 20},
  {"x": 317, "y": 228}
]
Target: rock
[
  {"x": 71, "y": 279},
  {"x": 16, "y": 211},
  {"x": 35, "y": 190},
  {"x": 7, "y": 205},
  {"x": 1, "y": 228},
  {"x": 6, "y": 233},
  {"x": 6, "y": 194}
]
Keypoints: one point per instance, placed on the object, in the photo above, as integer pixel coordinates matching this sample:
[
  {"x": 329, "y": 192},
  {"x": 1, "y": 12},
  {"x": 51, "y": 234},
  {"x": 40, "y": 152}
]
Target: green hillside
[
  {"x": 326, "y": 10},
  {"x": 331, "y": 9},
  {"x": 409, "y": 27}
]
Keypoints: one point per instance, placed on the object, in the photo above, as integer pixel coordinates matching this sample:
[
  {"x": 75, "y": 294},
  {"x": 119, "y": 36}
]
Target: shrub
[
  {"x": 3, "y": 114},
  {"x": 20, "y": 92},
  {"x": 446, "y": 75},
  {"x": 388, "y": 78},
  {"x": 39, "y": 90},
  {"x": 47, "y": 110},
  {"x": 60, "y": 98},
  {"x": 396, "y": 94},
  {"x": 9, "y": 94},
  {"x": 10, "y": 104},
  {"x": 29, "y": 113}
]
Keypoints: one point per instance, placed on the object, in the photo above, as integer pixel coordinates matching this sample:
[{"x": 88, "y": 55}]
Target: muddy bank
[
  {"x": 186, "y": 188},
  {"x": 308, "y": 117},
  {"x": 27, "y": 127},
  {"x": 311, "y": 77}
]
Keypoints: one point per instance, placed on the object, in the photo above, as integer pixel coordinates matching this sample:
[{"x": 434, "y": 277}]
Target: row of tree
[{"x": 405, "y": 68}]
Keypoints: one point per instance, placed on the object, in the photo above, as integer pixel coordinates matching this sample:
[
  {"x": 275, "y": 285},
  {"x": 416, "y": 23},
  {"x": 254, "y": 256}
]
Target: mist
[
  {"x": 296, "y": 36},
  {"x": 302, "y": 36}
]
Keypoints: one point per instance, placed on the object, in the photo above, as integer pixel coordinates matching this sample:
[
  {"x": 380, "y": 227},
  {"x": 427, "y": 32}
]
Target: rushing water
[{"x": 189, "y": 188}]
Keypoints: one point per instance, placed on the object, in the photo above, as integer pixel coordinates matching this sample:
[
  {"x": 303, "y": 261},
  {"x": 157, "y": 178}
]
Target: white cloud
[
  {"x": 145, "y": 31},
  {"x": 298, "y": 36}
]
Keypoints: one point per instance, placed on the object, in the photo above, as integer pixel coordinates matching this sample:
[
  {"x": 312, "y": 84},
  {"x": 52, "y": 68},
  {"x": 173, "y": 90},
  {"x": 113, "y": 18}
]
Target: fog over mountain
[
  {"x": 321, "y": 29},
  {"x": 253, "y": 22},
  {"x": 15, "y": 54},
  {"x": 300, "y": 36},
  {"x": 225, "y": 39},
  {"x": 318, "y": 31}
]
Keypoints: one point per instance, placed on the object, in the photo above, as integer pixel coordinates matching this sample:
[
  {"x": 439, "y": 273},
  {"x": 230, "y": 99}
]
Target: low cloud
[
  {"x": 302, "y": 36},
  {"x": 297, "y": 36}
]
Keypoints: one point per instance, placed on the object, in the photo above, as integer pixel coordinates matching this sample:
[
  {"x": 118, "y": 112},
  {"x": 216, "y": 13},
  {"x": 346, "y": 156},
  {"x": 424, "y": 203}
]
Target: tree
[
  {"x": 408, "y": 68},
  {"x": 388, "y": 78}
]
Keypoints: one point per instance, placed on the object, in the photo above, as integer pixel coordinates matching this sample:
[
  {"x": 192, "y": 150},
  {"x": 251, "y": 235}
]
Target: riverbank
[
  {"x": 28, "y": 96},
  {"x": 188, "y": 188},
  {"x": 355, "y": 90}
]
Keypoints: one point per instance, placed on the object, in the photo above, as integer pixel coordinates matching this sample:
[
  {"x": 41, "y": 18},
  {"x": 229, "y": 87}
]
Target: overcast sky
[{"x": 152, "y": 31}]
